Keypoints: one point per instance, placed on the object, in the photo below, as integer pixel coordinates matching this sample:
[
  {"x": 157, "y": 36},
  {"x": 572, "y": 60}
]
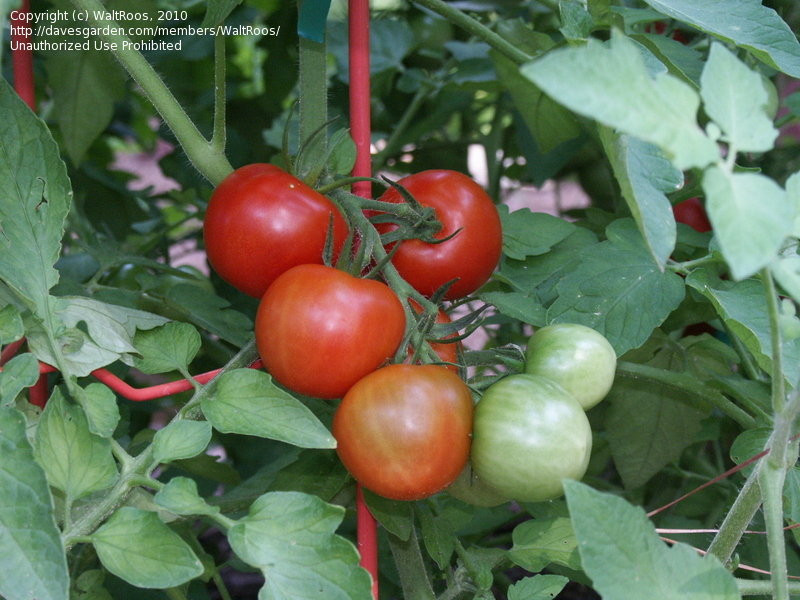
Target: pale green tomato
[
  {"x": 576, "y": 357},
  {"x": 528, "y": 436}
]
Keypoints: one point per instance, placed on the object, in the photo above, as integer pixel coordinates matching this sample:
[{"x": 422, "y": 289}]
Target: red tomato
[
  {"x": 403, "y": 431},
  {"x": 692, "y": 213},
  {"x": 319, "y": 330},
  {"x": 447, "y": 352},
  {"x": 471, "y": 256},
  {"x": 262, "y": 221}
]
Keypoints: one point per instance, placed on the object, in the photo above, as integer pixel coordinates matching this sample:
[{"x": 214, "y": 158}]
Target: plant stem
[
  {"x": 476, "y": 28},
  {"x": 737, "y": 519},
  {"x": 778, "y": 381},
  {"x": 692, "y": 392},
  {"x": 313, "y": 108},
  {"x": 750, "y": 587},
  {"x": 411, "y": 568},
  {"x": 218, "y": 137},
  {"x": 751, "y": 369},
  {"x": 205, "y": 158},
  {"x": 393, "y": 142}
]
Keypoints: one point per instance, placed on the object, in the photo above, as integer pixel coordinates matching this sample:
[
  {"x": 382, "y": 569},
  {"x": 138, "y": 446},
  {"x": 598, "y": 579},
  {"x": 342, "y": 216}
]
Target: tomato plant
[
  {"x": 403, "y": 431},
  {"x": 691, "y": 212},
  {"x": 446, "y": 351},
  {"x": 470, "y": 488},
  {"x": 261, "y": 221},
  {"x": 576, "y": 357},
  {"x": 529, "y": 435},
  {"x": 466, "y": 212},
  {"x": 319, "y": 330}
]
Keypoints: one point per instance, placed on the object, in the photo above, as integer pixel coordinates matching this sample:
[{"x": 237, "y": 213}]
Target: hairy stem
[
  {"x": 411, "y": 568},
  {"x": 736, "y": 521}
]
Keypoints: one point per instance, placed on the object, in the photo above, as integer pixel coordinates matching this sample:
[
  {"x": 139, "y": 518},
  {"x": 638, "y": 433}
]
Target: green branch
[
  {"x": 736, "y": 521},
  {"x": 206, "y": 159},
  {"x": 476, "y": 28}
]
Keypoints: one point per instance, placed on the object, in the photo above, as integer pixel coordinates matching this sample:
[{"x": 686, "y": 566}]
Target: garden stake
[
  {"x": 360, "y": 130},
  {"x": 22, "y": 58}
]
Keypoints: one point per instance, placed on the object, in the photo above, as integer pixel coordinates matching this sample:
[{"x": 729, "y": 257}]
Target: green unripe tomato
[
  {"x": 576, "y": 357},
  {"x": 528, "y": 436},
  {"x": 470, "y": 488}
]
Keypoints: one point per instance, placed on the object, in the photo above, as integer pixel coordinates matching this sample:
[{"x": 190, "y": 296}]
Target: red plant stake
[
  {"x": 21, "y": 58},
  {"x": 360, "y": 129}
]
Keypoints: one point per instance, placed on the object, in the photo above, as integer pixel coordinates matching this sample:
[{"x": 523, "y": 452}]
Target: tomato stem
[{"x": 219, "y": 135}]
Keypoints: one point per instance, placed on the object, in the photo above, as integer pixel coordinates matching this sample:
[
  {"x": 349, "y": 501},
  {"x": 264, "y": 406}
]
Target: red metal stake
[
  {"x": 360, "y": 129},
  {"x": 21, "y": 58}
]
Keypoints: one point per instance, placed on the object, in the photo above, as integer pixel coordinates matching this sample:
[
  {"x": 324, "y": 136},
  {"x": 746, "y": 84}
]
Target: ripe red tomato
[
  {"x": 403, "y": 431},
  {"x": 262, "y": 221},
  {"x": 319, "y": 330},
  {"x": 471, "y": 256},
  {"x": 446, "y": 351},
  {"x": 692, "y": 213}
]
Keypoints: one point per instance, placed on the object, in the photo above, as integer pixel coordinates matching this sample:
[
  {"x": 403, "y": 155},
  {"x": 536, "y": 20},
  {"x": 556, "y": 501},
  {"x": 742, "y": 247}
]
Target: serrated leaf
[
  {"x": 645, "y": 177},
  {"x": 35, "y": 197},
  {"x": 743, "y": 308},
  {"x": 518, "y": 306},
  {"x": 745, "y": 23},
  {"x": 616, "y": 288},
  {"x": 734, "y": 97},
  {"x": 247, "y": 402},
  {"x": 76, "y": 461},
  {"x": 11, "y": 328},
  {"x": 171, "y": 347},
  {"x": 527, "y": 233},
  {"x": 111, "y": 330},
  {"x": 576, "y": 22},
  {"x": 100, "y": 405},
  {"x": 394, "y": 516},
  {"x": 137, "y": 547},
  {"x": 33, "y": 558},
  {"x": 539, "y": 587},
  {"x": 616, "y": 539},
  {"x": 749, "y": 233},
  {"x": 180, "y": 496},
  {"x": 611, "y": 84},
  {"x": 290, "y": 537},
  {"x": 540, "y": 542},
  {"x": 85, "y": 85},
  {"x": 180, "y": 440},
  {"x": 20, "y": 372}
]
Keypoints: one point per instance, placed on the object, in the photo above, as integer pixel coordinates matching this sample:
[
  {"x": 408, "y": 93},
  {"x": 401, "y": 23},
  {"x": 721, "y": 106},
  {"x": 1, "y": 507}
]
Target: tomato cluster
[
  {"x": 530, "y": 430},
  {"x": 403, "y": 430}
]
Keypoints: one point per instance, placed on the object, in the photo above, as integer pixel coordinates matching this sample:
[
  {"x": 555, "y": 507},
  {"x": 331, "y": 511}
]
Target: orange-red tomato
[
  {"x": 319, "y": 330},
  {"x": 403, "y": 431}
]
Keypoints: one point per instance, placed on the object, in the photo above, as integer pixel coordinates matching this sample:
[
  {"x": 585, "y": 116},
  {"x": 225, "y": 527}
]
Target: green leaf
[
  {"x": 85, "y": 86},
  {"x": 539, "y": 587},
  {"x": 341, "y": 152},
  {"x": 735, "y": 98},
  {"x": 180, "y": 496},
  {"x": 11, "y": 328},
  {"x": 247, "y": 402},
  {"x": 748, "y": 444},
  {"x": 35, "y": 197},
  {"x": 217, "y": 11},
  {"x": 100, "y": 405},
  {"x": 208, "y": 311},
  {"x": 749, "y": 233},
  {"x": 290, "y": 537},
  {"x": 527, "y": 233},
  {"x": 19, "y": 373},
  {"x": 540, "y": 542},
  {"x": 75, "y": 460},
  {"x": 616, "y": 539},
  {"x": 110, "y": 333},
  {"x": 437, "y": 535},
  {"x": 648, "y": 428},
  {"x": 137, "y": 547},
  {"x": 681, "y": 60},
  {"x": 315, "y": 472},
  {"x": 645, "y": 177},
  {"x": 181, "y": 439},
  {"x": 518, "y": 305},
  {"x": 611, "y": 84},
  {"x": 33, "y": 559},
  {"x": 743, "y": 308},
  {"x": 395, "y": 516},
  {"x": 616, "y": 288},
  {"x": 576, "y": 22},
  {"x": 171, "y": 347},
  {"x": 745, "y": 23},
  {"x": 89, "y": 586}
]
